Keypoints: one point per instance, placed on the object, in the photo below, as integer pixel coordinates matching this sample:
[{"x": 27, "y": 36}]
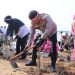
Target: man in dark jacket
[{"x": 19, "y": 28}]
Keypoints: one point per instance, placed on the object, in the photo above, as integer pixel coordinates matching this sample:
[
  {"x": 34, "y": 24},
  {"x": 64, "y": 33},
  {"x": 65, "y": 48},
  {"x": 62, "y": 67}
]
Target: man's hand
[
  {"x": 39, "y": 43},
  {"x": 9, "y": 38}
]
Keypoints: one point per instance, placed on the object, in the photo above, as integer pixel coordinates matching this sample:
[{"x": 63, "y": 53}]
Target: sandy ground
[
  {"x": 66, "y": 67},
  {"x": 7, "y": 69}
]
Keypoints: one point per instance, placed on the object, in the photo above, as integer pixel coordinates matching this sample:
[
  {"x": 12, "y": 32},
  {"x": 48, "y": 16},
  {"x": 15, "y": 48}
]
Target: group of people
[{"x": 24, "y": 36}]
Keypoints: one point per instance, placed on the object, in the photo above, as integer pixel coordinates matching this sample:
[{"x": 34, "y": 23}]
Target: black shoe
[
  {"x": 32, "y": 63},
  {"x": 53, "y": 68}
]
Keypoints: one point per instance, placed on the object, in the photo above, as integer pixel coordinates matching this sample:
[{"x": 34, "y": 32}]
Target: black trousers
[
  {"x": 20, "y": 45},
  {"x": 53, "y": 53}
]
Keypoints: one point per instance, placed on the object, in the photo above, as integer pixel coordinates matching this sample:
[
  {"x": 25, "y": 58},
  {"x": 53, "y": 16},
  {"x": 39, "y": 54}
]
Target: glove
[
  {"x": 37, "y": 37},
  {"x": 39, "y": 42},
  {"x": 17, "y": 37}
]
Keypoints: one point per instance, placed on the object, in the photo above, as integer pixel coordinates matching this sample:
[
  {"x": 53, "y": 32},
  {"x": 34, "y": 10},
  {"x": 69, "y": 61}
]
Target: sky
[{"x": 61, "y": 11}]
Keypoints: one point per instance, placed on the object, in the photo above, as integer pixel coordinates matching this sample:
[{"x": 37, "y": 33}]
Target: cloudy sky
[{"x": 61, "y": 11}]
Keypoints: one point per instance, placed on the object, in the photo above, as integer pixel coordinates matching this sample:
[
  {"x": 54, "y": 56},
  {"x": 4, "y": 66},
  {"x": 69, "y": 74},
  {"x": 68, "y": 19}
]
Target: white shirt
[{"x": 23, "y": 30}]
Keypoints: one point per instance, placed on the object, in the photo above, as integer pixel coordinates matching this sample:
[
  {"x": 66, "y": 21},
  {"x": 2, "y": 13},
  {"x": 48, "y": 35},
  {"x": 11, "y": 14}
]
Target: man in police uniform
[{"x": 44, "y": 23}]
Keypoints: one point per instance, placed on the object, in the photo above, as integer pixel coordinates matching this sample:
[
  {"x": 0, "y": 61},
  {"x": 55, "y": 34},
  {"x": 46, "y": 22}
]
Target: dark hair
[
  {"x": 7, "y": 17},
  {"x": 33, "y": 14}
]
